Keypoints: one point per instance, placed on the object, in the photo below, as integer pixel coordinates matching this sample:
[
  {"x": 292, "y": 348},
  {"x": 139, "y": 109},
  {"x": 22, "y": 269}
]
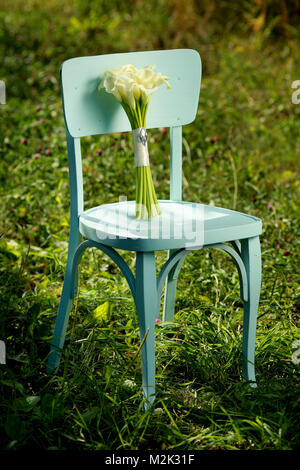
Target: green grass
[{"x": 242, "y": 152}]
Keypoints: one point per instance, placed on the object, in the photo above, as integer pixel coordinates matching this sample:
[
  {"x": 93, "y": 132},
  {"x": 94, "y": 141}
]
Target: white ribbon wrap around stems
[{"x": 140, "y": 147}]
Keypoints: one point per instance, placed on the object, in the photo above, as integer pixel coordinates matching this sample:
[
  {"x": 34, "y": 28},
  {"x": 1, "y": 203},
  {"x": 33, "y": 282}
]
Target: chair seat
[{"x": 180, "y": 225}]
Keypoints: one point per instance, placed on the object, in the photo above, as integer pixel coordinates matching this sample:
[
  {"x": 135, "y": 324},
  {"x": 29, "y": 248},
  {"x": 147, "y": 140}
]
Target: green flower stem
[
  {"x": 146, "y": 200},
  {"x": 145, "y": 194}
]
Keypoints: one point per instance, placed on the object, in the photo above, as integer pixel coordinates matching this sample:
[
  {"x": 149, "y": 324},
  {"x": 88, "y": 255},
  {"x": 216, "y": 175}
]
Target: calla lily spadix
[{"x": 133, "y": 89}]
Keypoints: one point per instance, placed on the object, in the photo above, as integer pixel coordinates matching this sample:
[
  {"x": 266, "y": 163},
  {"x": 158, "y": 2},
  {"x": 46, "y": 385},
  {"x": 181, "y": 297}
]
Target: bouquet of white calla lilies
[{"x": 133, "y": 89}]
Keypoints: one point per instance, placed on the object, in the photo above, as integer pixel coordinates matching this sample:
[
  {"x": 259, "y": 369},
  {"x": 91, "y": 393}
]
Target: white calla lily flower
[{"x": 129, "y": 84}]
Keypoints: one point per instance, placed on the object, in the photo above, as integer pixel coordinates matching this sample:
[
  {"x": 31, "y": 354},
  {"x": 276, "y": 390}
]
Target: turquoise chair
[{"x": 181, "y": 228}]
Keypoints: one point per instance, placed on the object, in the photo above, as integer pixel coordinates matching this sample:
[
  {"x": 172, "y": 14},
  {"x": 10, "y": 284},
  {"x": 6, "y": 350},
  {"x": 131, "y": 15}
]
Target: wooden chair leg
[
  {"x": 170, "y": 292},
  {"x": 251, "y": 255},
  {"x": 146, "y": 306},
  {"x": 64, "y": 308}
]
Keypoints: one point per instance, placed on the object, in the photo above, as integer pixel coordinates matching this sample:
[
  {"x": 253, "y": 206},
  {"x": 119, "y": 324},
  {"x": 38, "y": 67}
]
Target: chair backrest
[{"x": 89, "y": 112}]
